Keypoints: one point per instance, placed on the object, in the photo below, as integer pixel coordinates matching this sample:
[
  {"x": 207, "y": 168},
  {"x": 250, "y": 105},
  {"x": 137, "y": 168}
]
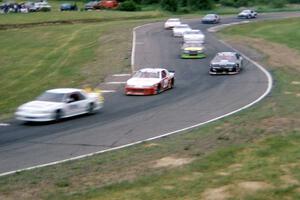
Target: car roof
[
  {"x": 194, "y": 31},
  {"x": 151, "y": 69},
  {"x": 210, "y": 15},
  {"x": 177, "y": 19},
  {"x": 64, "y": 90},
  {"x": 182, "y": 25}
]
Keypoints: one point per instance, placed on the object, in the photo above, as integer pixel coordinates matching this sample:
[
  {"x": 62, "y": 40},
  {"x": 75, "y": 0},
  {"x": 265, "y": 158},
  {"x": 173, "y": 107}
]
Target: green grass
[
  {"x": 286, "y": 34},
  {"x": 39, "y": 58}
]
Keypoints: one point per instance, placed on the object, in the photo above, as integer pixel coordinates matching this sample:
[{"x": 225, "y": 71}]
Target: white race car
[
  {"x": 193, "y": 35},
  {"x": 172, "y": 22},
  {"x": 180, "y": 29},
  {"x": 60, "y": 103},
  {"x": 248, "y": 14},
  {"x": 150, "y": 81}
]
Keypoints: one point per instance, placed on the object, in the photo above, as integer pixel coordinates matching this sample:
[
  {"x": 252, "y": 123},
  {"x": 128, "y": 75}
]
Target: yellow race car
[{"x": 192, "y": 49}]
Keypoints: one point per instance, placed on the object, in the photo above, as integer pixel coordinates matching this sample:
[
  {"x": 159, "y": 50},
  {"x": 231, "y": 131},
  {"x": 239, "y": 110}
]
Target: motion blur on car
[
  {"x": 59, "y": 103},
  {"x": 211, "y": 19},
  {"x": 193, "y": 35},
  {"x": 68, "y": 7}
]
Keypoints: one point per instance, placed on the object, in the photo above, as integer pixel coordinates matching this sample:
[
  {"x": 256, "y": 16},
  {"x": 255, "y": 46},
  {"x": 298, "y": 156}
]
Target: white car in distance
[
  {"x": 172, "y": 22},
  {"x": 179, "y": 30},
  {"x": 193, "y": 35},
  {"x": 59, "y": 103}
]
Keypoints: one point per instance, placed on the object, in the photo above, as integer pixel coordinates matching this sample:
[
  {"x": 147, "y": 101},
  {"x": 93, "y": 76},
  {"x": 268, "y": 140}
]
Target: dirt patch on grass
[
  {"x": 277, "y": 54},
  {"x": 221, "y": 193},
  {"x": 253, "y": 186},
  {"x": 172, "y": 162},
  {"x": 279, "y": 123},
  {"x": 151, "y": 145},
  {"x": 295, "y": 82},
  {"x": 289, "y": 180}
]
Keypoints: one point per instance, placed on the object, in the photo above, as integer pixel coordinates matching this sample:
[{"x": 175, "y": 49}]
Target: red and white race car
[{"x": 150, "y": 81}]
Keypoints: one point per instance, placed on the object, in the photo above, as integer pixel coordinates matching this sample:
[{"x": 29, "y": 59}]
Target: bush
[
  {"x": 201, "y": 4},
  {"x": 169, "y": 5},
  {"x": 128, "y": 5},
  {"x": 278, "y": 3}
]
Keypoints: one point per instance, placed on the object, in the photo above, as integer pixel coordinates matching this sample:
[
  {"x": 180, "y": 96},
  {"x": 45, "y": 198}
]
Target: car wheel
[
  {"x": 158, "y": 89},
  {"x": 171, "y": 84},
  {"x": 58, "y": 115},
  {"x": 91, "y": 108}
]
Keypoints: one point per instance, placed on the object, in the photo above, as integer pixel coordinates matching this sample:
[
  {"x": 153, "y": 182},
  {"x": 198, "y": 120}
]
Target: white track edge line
[
  {"x": 270, "y": 84},
  {"x": 4, "y": 124}
]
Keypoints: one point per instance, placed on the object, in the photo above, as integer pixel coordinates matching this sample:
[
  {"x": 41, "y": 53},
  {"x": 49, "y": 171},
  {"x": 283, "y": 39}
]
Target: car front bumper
[
  {"x": 223, "y": 71},
  {"x": 140, "y": 91},
  {"x": 24, "y": 116},
  {"x": 199, "y": 55}
]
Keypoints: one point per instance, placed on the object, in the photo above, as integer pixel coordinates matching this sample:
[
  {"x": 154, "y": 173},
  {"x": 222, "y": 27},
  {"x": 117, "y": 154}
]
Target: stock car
[
  {"x": 56, "y": 104},
  {"x": 226, "y": 63},
  {"x": 180, "y": 29},
  {"x": 172, "y": 22},
  {"x": 248, "y": 14},
  {"x": 211, "y": 19},
  {"x": 150, "y": 81},
  {"x": 192, "y": 49},
  {"x": 68, "y": 7},
  {"x": 193, "y": 35}
]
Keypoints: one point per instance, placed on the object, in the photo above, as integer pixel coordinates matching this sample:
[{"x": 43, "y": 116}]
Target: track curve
[{"x": 196, "y": 99}]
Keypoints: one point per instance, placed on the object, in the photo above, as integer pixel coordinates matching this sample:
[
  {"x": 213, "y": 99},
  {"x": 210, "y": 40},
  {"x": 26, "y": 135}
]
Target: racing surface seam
[{"x": 270, "y": 83}]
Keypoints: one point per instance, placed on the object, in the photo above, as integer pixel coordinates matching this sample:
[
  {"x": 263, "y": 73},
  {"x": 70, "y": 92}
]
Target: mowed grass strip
[
  {"x": 252, "y": 155},
  {"x": 40, "y": 58}
]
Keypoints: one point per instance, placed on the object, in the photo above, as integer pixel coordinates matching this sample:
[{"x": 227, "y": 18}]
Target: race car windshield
[
  {"x": 209, "y": 17},
  {"x": 182, "y": 26},
  {"x": 246, "y": 11},
  {"x": 140, "y": 74},
  {"x": 223, "y": 65},
  {"x": 192, "y": 45},
  {"x": 192, "y": 32},
  {"x": 173, "y": 20},
  {"x": 52, "y": 97}
]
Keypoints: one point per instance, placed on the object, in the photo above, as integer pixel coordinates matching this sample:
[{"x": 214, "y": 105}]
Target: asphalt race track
[{"x": 197, "y": 97}]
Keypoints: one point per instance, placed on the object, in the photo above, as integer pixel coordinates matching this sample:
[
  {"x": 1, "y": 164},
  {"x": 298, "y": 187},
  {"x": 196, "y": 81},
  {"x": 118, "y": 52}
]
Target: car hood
[
  {"x": 140, "y": 82},
  {"x": 198, "y": 36},
  {"x": 181, "y": 30},
  {"x": 193, "y": 48},
  {"x": 40, "y": 105}
]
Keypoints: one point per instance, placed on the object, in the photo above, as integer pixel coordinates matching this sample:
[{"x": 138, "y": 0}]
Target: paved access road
[{"x": 197, "y": 97}]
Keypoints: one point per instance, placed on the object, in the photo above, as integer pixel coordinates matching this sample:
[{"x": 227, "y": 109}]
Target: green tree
[
  {"x": 169, "y": 5},
  {"x": 201, "y": 4}
]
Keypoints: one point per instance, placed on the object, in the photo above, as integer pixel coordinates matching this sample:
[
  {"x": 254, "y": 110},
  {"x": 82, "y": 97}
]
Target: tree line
[{"x": 192, "y": 5}]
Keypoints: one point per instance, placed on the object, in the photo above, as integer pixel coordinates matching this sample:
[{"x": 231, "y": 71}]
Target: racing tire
[
  {"x": 90, "y": 109},
  {"x": 158, "y": 89},
  {"x": 58, "y": 115},
  {"x": 171, "y": 84}
]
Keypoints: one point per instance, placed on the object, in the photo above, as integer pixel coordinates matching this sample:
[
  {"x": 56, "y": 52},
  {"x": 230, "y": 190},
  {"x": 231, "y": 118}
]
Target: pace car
[
  {"x": 193, "y": 35},
  {"x": 59, "y": 103},
  {"x": 172, "y": 22},
  {"x": 150, "y": 81},
  {"x": 192, "y": 49},
  {"x": 180, "y": 29},
  {"x": 226, "y": 63},
  {"x": 211, "y": 19},
  {"x": 248, "y": 14}
]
